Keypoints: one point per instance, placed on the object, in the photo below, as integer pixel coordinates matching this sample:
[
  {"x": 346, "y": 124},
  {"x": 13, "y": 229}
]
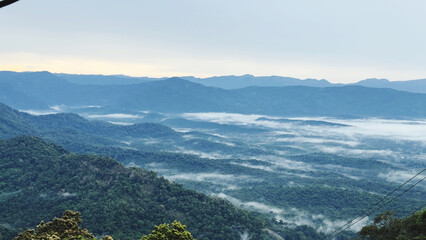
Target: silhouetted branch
[{"x": 7, "y": 2}]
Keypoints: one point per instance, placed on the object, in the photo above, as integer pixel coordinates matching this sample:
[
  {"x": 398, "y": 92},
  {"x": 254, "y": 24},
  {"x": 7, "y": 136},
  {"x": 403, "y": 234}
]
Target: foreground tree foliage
[
  {"x": 163, "y": 232},
  {"x": 387, "y": 227},
  {"x": 67, "y": 228},
  {"x": 59, "y": 228}
]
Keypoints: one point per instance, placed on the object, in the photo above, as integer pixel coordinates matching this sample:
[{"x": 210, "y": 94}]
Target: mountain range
[
  {"x": 236, "y": 82},
  {"x": 41, "y": 90},
  {"x": 415, "y": 86}
]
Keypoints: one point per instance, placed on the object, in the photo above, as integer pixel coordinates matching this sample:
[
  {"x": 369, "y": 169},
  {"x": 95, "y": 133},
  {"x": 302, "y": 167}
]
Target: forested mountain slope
[
  {"x": 69, "y": 128},
  {"x": 250, "y": 181},
  {"x": 40, "y": 180}
]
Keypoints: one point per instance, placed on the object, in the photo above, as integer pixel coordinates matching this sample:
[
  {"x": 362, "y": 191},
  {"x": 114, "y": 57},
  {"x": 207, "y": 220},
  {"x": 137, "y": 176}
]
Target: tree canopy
[
  {"x": 164, "y": 232},
  {"x": 59, "y": 228},
  {"x": 68, "y": 228},
  {"x": 387, "y": 227}
]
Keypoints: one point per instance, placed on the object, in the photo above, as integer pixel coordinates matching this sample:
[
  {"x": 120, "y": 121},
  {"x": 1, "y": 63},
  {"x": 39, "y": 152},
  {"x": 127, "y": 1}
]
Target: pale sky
[{"x": 338, "y": 40}]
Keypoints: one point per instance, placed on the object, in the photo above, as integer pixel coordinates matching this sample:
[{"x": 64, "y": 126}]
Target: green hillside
[{"x": 40, "y": 180}]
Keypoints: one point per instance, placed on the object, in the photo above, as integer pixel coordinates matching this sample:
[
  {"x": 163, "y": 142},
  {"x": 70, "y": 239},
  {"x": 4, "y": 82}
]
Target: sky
[{"x": 341, "y": 41}]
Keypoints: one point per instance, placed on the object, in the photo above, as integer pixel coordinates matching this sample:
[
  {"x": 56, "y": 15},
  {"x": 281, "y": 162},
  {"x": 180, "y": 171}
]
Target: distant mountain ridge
[
  {"x": 236, "y": 82},
  {"x": 42, "y": 89},
  {"x": 225, "y": 82},
  {"x": 415, "y": 86},
  {"x": 90, "y": 79}
]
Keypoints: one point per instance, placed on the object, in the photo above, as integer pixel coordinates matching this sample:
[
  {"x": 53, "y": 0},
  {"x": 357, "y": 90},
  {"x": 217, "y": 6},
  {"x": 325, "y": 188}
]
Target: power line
[
  {"x": 366, "y": 211},
  {"x": 350, "y": 225},
  {"x": 381, "y": 200},
  {"x": 381, "y": 206}
]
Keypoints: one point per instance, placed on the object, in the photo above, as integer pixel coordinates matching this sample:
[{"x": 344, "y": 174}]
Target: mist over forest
[
  {"x": 297, "y": 171},
  {"x": 212, "y": 120}
]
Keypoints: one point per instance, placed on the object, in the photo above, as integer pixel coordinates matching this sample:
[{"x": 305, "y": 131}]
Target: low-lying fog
[{"x": 252, "y": 150}]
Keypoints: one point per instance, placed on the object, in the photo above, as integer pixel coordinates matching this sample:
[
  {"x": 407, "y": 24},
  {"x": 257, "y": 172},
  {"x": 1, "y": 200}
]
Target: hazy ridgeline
[
  {"x": 295, "y": 155},
  {"x": 42, "y": 90}
]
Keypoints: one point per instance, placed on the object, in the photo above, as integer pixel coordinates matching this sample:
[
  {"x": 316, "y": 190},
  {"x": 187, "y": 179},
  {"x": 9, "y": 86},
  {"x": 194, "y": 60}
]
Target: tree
[
  {"x": 387, "y": 227},
  {"x": 163, "y": 232},
  {"x": 59, "y": 228}
]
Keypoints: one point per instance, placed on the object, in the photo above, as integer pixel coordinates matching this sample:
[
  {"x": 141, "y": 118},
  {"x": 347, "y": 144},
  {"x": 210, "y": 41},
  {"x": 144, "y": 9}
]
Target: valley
[
  {"x": 292, "y": 170},
  {"x": 212, "y": 120}
]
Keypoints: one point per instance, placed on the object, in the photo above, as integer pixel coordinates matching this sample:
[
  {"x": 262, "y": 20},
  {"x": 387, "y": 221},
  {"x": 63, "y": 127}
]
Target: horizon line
[{"x": 210, "y": 76}]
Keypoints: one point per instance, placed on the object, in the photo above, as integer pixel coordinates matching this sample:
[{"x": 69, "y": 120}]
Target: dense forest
[
  {"x": 385, "y": 227},
  {"x": 335, "y": 200},
  {"x": 41, "y": 180},
  {"x": 67, "y": 227}
]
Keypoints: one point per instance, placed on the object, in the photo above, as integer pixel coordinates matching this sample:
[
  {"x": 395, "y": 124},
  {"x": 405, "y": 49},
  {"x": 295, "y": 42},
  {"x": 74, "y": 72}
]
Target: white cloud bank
[
  {"x": 412, "y": 130},
  {"x": 115, "y": 115},
  {"x": 295, "y": 216}
]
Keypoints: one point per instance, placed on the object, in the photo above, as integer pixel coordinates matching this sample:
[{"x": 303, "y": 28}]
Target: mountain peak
[
  {"x": 177, "y": 81},
  {"x": 33, "y": 143},
  {"x": 248, "y": 76},
  {"x": 374, "y": 80}
]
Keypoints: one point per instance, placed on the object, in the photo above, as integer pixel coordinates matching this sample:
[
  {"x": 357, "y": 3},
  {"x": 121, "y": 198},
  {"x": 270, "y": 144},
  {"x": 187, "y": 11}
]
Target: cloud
[
  {"x": 318, "y": 221},
  {"x": 294, "y": 216},
  {"x": 39, "y": 112},
  {"x": 350, "y": 176},
  {"x": 261, "y": 167},
  {"x": 248, "y": 120},
  {"x": 274, "y": 234},
  {"x": 354, "y": 152},
  {"x": 86, "y": 106},
  {"x": 183, "y": 130},
  {"x": 259, "y": 207},
  {"x": 58, "y": 108},
  {"x": 5, "y": 194},
  {"x": 214, "y": 155},
  {"x": 216, "y": 178},
  {"x": 275, "y": 168},
  {"x": 115, "y": 115},
  {"x": 245, "y": 236},
  {"x": 7, "y": 225},
  {"x": 67, "y": 194},
  {"x": 157, "y": 167},
  {"x": 223, "y": 118},
  {"x": 319, "y": 141},
  {"x": 285, "y": 163},
  {"x": 352, "y": 140},
  {"x": 127, "y": 142},
  {"x": 329, "y": 226},
  {"x": 121, "y": 123},
  {"x": 401, "y": 176},
  {"x": 411, "y": 130}
]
